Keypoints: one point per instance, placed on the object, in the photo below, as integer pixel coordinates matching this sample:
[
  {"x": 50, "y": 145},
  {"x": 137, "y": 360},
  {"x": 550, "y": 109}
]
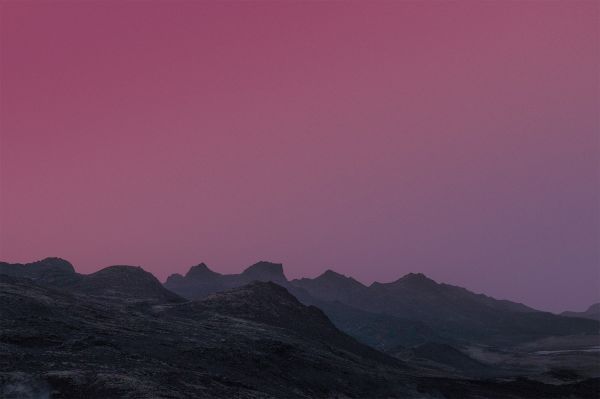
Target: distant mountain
[
  {"x": 264, "y": 271},
  {"x": 454, "y": 313},
  {"x": 200, "y": 281},
  {"x": 409, "y": 311},
  {"x": 378, "y": 330},
  {"x": 331, "y": 286},
  {"x": 593, "y": 312},
  {"x": 201, "y": 272},
  {"x": 416, "y": 296},
  {"x": 412, "y": 310},
  {"x": 125, "y": 282}
]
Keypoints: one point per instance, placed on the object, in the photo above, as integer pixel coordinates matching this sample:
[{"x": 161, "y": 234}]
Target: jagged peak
[
  {"x": 201, "y": 271},
  {"x": 333, "y": 276},
  {"x": 331, "y": 273}
]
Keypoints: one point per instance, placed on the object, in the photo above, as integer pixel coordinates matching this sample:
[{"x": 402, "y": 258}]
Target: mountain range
[
  {"x": 120, "y": 333},
  {"x": 413, "y": 309}
]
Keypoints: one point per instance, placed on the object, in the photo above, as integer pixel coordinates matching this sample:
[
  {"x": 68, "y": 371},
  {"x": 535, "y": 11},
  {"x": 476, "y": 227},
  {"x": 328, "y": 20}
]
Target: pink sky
[{"x": 374, "y": 138}]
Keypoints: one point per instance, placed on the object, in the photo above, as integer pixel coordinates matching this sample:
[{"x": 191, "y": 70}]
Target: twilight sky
[{"x": 374, "y": 138}]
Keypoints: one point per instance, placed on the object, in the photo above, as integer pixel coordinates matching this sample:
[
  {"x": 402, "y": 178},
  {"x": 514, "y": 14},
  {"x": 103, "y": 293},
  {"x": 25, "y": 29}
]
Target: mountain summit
[
  {"x": 265, "y": 271},
  {"x": 125, "y": 282},
  {"x": 48, "y": 270},
  {"x": 201, "y": 272},
  {"x": 330, "y": 286}
]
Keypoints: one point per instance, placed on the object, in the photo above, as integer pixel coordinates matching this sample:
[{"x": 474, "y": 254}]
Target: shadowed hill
[
  {"x": 331, "y": 286},
  {"x": 269, "y": 303},
  {"x": 454, "y": 313},
  {"x": 245, "y": 344},
  {"x": 126, "y": 282},
  {"x": 593, "y": 312},
  {"x": 117, "y": 282},
  {"x": 54, "y": 271}
]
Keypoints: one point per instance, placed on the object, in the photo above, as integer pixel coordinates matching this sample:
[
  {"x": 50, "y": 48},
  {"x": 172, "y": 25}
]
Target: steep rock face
[
  {"x": 593, "y": 312},
  {"x": 379, "y": 330},
  {"x": 264, "y": 271}
]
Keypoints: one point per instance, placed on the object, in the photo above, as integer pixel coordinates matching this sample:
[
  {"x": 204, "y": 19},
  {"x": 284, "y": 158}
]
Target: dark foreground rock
[{"x": 72, "y": 346}]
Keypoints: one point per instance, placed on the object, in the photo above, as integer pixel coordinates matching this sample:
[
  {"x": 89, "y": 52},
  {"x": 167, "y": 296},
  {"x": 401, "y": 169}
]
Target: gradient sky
[{"x": 374, "y": 138}]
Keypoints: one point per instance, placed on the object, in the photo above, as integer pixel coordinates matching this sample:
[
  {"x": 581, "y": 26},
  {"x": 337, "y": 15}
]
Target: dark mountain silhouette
[
  {"x": 264, "y": 271},
  {"x": 419, "y": 297},
  {"x": 331, "y": 286},
  {"x": 115, "y": 333},
  {"x": 116, "y": 282},
  {"x": 200, "y": 281},
  {"x": 269, "y": 303},
  {"x": 454, "y": 313},
  {"x": 411, "y": 310},
  {"x": 593, "y": 312},
  {"x": 125, "y": 282},
  {"x": 202, "y": 272},
  {"x": 54, "y": 271}
]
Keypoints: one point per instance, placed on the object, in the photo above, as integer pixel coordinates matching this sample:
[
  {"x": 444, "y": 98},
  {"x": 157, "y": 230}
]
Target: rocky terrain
[
  {"x": 118, "y": 333},
  {"x": 67, "y": 345}
]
